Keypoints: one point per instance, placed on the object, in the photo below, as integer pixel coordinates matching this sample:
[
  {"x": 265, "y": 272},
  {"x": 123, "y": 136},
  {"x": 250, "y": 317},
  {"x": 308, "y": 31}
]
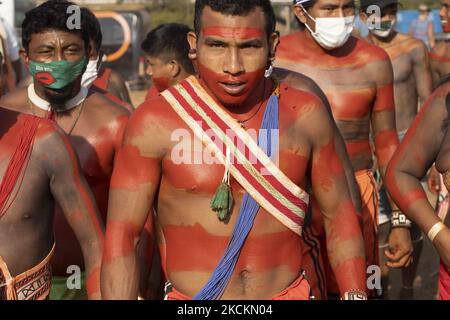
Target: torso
[
  {"x": 401, "y": 51},
  {"x": 28, "y": 222},
  {"x": 95, "y": 139},
  {"x": 347, "y": 82},
  {"x": 271, "y": 258},
  {"x": 443, "y": 157}
]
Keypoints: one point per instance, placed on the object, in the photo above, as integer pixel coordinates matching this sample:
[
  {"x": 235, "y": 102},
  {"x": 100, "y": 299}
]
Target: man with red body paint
[
  {"x": 166, "y": 49},
  {"x": 427, "y": 142},
  {"x": 93, "y": 123},
  {"x": 412, "y": 86},
  {"x": 357, "y": 78},
  {"x": 440, "y": 55},
  {"x": 51, "y": 173},
  {"x": 233, "y": 44}
]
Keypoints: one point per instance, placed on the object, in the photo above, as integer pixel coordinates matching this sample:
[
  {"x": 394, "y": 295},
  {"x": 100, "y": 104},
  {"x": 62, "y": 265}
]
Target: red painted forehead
[{"x": 229, "y": 32}]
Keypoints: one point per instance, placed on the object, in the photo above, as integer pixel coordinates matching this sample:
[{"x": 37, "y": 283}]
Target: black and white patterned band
[
  {"x": 355, "y": 295},
  {"x": 399, "y": 220}
]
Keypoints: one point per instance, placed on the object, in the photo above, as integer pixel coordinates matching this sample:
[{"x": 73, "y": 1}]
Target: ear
[
  {"x": 363, "y": 17},
  {"x": 24, "y": 56},
  {"x": 300, "y": 14},
  {"x": 192, "y": 39},
  {"x": 273, "y": 45},
  {"x": 175, "y": 69}
]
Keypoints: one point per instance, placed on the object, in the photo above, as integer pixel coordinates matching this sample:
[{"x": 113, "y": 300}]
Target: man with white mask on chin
[
  {"x": 57, "y": 57},
  {"x": 357, "y": 78},
  {"x": 96, "y": 77},
  {"x": 412, "y": 86}
]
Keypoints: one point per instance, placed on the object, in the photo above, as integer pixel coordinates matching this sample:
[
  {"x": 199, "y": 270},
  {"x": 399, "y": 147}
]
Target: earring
[{"x": 269, "y": 71}]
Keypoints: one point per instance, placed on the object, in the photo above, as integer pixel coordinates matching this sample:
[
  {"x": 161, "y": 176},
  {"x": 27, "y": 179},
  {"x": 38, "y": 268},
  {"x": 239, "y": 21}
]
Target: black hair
[
  {"x": 92, "y": 26},
  {"x": 169, "y": 41},
  {"x": 235, "y": 8},
  {"x": 306, "y": 6},
  {"x": 51, "y": 15}
]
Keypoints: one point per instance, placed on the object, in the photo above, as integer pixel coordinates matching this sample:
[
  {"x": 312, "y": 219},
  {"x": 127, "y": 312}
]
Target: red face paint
[
  {"x": 160, "y": 83},
  {"x": 240, "y": 33},
  {"x": 247, "y": 85}
]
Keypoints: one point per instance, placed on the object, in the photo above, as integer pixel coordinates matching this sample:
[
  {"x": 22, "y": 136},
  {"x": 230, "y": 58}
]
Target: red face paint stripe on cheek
[{"x": 240, "y": 33}]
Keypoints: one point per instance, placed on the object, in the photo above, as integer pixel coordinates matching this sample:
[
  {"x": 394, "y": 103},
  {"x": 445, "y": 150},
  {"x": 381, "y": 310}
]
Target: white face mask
[
  {"x": 332, "y": 33},
  {"x": 386, "y": 29},
  {"x": 91, "y": 73}
]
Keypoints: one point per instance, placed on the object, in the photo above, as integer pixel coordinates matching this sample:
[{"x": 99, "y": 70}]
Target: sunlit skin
[
  {"x": 440, "y": 55},
  {"x": 164, "y": 73},
  {"x": 53, "y": 172},
  {"x": 311, "y": 245},
  {"x": 110, "y": 85},
  {"x": 412, "y": 86},
  {"x": 426, "y": 142},
  {"x": 186, "y": 225},
  {"x": 95, "y": 138},
  {"x": 357, "y": 79},
  {"x": 412, "y": 76}
]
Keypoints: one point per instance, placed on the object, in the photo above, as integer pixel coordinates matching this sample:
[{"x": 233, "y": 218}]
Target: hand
[
  {"x": 399, "y": 252},
  {"x": 442, "y": 244},
  {"x": 434, "y": 181}
]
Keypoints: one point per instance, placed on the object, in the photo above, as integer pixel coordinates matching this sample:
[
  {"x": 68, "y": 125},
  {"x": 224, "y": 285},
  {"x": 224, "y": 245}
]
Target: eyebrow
[{"x": 225, "y": 32}]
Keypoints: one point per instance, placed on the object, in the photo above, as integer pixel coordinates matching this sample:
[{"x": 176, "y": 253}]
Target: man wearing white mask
[
  {"x": 357, "y": 78},
  {"x": 412, "y": 86},
  {"x": 97, "y": 77}
]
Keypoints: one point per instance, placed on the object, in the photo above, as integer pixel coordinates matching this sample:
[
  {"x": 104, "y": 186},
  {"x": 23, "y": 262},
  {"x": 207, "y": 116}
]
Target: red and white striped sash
[{"x": 252, "y": 168}]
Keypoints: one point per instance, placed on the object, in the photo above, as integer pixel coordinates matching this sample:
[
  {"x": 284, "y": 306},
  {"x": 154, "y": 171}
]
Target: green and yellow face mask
[{"x": 57, "y": 74}]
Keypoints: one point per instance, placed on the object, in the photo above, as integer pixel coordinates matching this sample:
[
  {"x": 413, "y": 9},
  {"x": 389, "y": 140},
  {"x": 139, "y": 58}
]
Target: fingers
[{"x": 399, "y": 258}]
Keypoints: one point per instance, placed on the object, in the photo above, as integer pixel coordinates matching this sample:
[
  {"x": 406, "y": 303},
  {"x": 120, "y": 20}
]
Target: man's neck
[
  {"x": 383, "y": 42},
  {"x": 41, "y": 99}
]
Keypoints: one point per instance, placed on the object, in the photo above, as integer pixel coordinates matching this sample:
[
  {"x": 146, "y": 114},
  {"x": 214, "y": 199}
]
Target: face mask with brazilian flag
[{"x": 57, "y": 74}]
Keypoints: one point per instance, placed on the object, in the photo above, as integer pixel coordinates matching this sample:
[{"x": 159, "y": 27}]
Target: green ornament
[{"x": 222, "y": 203}]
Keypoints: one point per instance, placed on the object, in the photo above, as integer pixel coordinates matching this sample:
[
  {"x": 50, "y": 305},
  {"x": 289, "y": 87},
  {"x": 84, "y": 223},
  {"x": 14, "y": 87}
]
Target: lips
[
  {"x": 45, "y": 78},
  {"x": 234, "y": 88}
]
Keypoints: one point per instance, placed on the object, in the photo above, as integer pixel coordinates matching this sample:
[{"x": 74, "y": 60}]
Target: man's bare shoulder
[
  {"x": 411, "y": 44},
  {"x": 155, "y": 115},
  {"x": 298, "y": 101},
  {"x": 106, "y": 107},
  {"x": 16, "y": 100},
  {"x": 368, "y": 51},
  {"x": 307, "y": 110},
  {"x": 440, "y": 48}
]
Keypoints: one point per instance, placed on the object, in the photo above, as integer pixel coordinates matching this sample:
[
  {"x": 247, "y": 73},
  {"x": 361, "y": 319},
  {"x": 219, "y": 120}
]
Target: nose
[{"x": 233, "y": 62}]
